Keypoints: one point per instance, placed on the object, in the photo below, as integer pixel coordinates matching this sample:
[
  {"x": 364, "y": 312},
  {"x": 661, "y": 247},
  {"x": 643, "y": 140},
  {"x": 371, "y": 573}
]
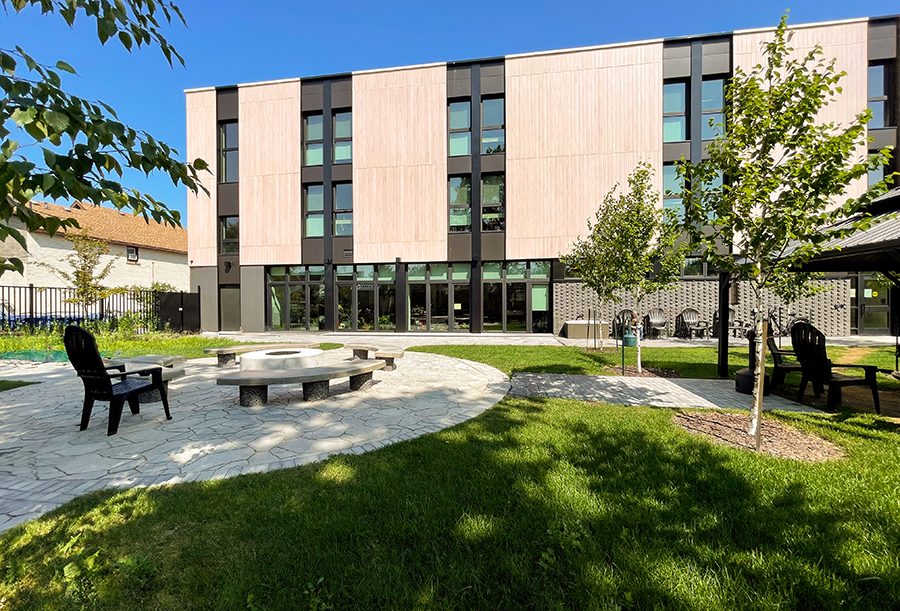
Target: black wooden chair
[
  {"x": 656, "y": 320},
  {"x": 99, "y": 380},
  {"x": 781, "y": 368},
  {"x": 688, "y": 323},
  {"x": 809, "y": 347}
]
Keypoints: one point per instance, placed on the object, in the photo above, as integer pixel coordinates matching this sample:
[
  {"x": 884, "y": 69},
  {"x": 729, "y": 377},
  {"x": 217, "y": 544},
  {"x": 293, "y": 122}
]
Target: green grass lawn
[
  {"x": 538, "y": 504},
  {"x": 10, "y": 384},
  {"x": 690, "y": 362}
]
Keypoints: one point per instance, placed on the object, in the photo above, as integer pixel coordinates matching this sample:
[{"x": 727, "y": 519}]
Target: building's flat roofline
[
  {"x": 614, "y": 45},
  {"x": 272, "y": 82}
]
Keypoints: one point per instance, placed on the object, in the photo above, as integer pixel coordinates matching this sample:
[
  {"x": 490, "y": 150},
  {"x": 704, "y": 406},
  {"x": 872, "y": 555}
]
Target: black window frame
[
  {"x": 885, "y": 98},
  {"x": 335, "y": 211},
  {"x": 684, "y": 82},
  {"x": 451, "y": 205},
  {"x": 226, "y": 149},
  {"x": 487, "y": 128},
  {"x": 307, "y": 141},
  {"x": 307, "y": 214},
  {"x": 223, "y": 241},
  {"x": 335, "y": 140},
  {"x": 458, "y": 130},
  {"x": 706, "y": 114},
  {"x": 486, "y": 205}
]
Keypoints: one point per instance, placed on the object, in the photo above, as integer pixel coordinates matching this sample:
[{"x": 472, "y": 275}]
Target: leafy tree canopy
[{"x": 77, "y": 147}]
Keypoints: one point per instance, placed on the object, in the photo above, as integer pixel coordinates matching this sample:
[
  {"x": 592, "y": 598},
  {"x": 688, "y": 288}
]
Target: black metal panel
[
  {"x": 342, "y": 172},
  {"x": 717, "y": 56},
  {"x": 676, "y": 60},
  {"x": 495, "y": 162},
  {"x": 883, "y": 39},
  {"x": 459, "y": 165},
  {"x": 476, "y": 299},
  {"x": 401, "y": 300},
  {"x": 312, "y": 174},
  {"x": 229, "y": 269},
  {"x": 459, "y": 82},
  {"x": 230, "y": 308},
  {"x": 342, "y": 250},
  {"x": 674, "y": 151},
  {"x": 180, "y": 311},
  {"x": 476, "y": 163},
  {"x": 493, "y": 245},
  {"x": 313, "y": 251},
  {"x": 883, "y": 137},
  {"x": 459, "y": 247},
  {"x": 190, "y": 313},
  {"x": 227, "y": 104},
  {"x": 695, "y": 111},
  {"x": 228, "y": 199}
]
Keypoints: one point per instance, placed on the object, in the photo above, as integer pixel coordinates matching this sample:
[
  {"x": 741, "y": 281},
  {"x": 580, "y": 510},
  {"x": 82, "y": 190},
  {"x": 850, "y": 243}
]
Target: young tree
[
  {"x": 631, "y": 245},
  {"x": 86, "y": 275},
  {"x": 78, "y": 147},
  {"x": 786, "y": 175}
]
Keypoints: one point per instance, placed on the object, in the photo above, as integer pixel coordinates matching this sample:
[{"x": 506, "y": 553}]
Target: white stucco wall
[{"x": 152, "y": 266}]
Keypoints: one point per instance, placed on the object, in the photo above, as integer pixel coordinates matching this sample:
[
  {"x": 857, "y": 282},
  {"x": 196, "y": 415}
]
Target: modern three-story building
[{"x": 439, "y": 197}]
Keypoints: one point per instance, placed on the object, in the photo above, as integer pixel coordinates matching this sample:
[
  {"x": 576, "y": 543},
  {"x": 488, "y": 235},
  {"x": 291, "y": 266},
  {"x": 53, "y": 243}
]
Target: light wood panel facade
[
  {"x": 201, "y": 207},
  {"x": 577, "y": 123},
  {"x": 269, "y": 128},
  {"x": 847, "y": 43},
  {"x": 400, "y": 165}
]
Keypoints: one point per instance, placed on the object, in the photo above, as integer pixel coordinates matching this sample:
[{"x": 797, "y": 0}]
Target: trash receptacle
[{"x": 629, "y": 340}]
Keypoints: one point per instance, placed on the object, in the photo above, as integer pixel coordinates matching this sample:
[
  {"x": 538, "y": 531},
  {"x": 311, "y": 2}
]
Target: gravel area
[{"x": 778, "y": 439}]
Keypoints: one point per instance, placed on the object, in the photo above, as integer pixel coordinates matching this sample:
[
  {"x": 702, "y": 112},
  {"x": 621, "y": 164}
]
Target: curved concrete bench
[
  {"x": 227, "y": 356},
  {"x": 386, "y": 353},
  {"x": 255, "y": 384}
]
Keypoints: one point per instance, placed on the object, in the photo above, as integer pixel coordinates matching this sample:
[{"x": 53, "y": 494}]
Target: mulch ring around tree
[
  {"x": 778, "y": 439},
  {"x": 646, "y": 372}
]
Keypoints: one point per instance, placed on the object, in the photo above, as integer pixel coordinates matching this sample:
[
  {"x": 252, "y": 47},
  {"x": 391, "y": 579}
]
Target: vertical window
[
  {"x": 878, "y": 98},
  {"x": 460, "y": 194},
  {"x": 493, "y": 134},
  {"x": 228, "y": 152},
  {"x": 875, "y": 176},
  {"x": 314, "y": 211},
  {"x": 675, "y": 112},
  {"x": 313, "y": 143},
  {"x": 343, "y": 137},
  {"x": 343, "y": 209},
  {"x": 493, "y": 199},
  {"x": 712, "y": 104},
  {"x": 460, "y": 122},
  {"x": 132, "y": 253},
  {"x": 672, "y": 187},
  {"x": 229, "y": 235}
]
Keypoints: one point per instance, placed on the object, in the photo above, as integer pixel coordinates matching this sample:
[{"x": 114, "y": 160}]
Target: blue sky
[{"x": 228, "y": 42}]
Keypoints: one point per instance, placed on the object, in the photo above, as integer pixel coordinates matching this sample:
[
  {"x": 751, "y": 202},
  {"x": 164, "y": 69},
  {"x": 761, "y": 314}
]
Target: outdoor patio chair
[
  {"x": 99, "y": 380},
  {"x": 781, "y": 368},
  {"x": 688, "y": 323},
  {"x": 656, "y": 320},
  {"x": 809, "y": 347},
  {"x": 735, "y": 325}
]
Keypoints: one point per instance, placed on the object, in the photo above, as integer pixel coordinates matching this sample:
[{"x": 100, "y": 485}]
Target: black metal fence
[{"x": 30, "y": 307}]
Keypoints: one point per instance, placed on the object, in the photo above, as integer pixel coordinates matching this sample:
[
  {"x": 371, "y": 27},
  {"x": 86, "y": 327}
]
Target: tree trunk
[
  {"x": 637, "y": 336},
  {"x": 760, "y": 373}
]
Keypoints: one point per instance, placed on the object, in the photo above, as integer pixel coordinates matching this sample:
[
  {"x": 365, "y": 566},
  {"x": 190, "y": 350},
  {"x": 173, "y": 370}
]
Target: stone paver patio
[{"x": 45, "y": 460}]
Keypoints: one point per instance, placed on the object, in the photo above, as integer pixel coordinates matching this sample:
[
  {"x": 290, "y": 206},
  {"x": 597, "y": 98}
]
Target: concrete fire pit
[{"x": 290, "y": 358}]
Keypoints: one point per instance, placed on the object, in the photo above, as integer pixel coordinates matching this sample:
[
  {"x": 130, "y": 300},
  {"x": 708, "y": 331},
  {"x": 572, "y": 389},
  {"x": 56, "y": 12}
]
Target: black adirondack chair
[
  {"x": 656, "y": 320},
  {"x": 688, "y": 323},
  {"x": 100, "y": 380},
  {"x": 781, "y": 368},
  {"x": 809, "y": 347}
]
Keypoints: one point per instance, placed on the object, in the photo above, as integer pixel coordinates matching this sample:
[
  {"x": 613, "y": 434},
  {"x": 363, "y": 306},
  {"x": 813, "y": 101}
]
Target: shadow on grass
[{"x": 538, "y": 504}]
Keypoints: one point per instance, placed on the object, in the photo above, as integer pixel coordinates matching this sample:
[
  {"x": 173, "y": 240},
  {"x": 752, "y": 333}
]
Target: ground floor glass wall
[{"x": 439, "y": 297}]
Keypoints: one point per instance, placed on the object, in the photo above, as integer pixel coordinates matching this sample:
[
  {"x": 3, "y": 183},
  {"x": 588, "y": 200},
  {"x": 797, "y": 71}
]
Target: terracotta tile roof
[{"x": 119, "y": 227}]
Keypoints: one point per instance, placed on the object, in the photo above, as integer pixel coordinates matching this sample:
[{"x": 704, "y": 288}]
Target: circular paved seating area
[{"x": 45, "y": 460}]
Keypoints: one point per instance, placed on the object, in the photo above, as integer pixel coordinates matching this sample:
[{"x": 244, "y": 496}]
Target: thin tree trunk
[
  {"x": 637, "y": 335},
  {"x": 760, "y": 373}
]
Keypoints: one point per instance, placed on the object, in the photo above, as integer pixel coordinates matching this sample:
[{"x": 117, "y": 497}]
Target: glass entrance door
[{"x": 874, "y": 305}]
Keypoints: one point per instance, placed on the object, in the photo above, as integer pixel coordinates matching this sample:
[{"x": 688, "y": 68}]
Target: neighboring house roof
[{"x": 119, "y": 227}]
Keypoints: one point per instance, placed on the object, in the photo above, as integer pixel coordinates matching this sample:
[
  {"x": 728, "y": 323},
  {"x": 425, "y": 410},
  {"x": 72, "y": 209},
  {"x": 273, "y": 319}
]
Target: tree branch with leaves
[
  {"x": 631, "y": 246},
  {"x": 773, "y": 191},
  {"x": 78, "y": 147}
]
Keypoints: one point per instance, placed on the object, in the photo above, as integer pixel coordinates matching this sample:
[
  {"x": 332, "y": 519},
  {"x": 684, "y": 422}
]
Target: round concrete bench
[
  {"x": 388, "y": 354},
  {"x": 227, "y": 356},
  {"x": 254, "y": 385}
]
